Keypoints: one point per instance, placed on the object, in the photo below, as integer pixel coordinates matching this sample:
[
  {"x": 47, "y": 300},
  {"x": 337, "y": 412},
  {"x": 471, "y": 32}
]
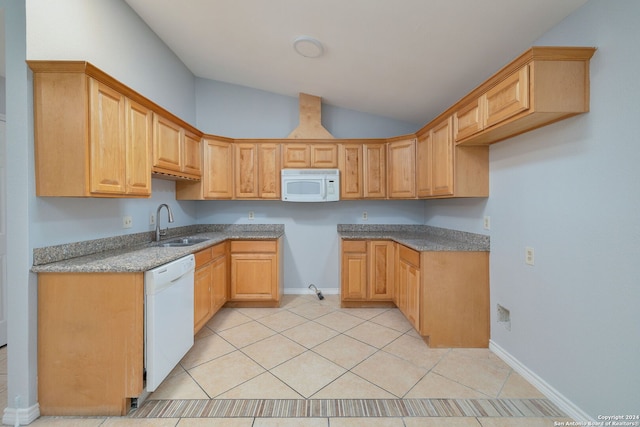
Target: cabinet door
[
  {"x": 218, "y": 178},
  {"x": 375, "y": 171},
  {"x": 351, "y": 171},
  {"x": 219, "y": 282},
  {"x": 402, "y": 177},
  {"x": 167, "y": 144},
  {"x": 192, "y": 158},
  {"x": 408, "y": 285},
  {"x": 324, "y": 155},
  {"x": 202, "y": 297},
  {"x": 107, "y": 146},
  {"x": 354, "y": 270},
  {"x": 413, "y": 295},
  {"x": 296, "y": 155},
  {"x": 467, "y": 120},
  {"x": 246, "y": 171},
  {"x": 381, "y": 271},
  {"x": 507, "y": 98},
  {"x": 424, "y": 186},
  {"x": 139, "y": 134},
  {"x": 254, "y": 276},
  {"x": 269, "y": 171},
  {"x": 442, "y": 159}
]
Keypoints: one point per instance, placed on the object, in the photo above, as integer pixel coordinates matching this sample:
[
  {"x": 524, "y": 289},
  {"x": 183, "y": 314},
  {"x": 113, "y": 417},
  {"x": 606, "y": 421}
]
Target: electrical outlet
[
  {"x": 487, "y": 222},
  {"x": 152, "y": 219},
  {"x": 365, "y": 216},
  {"x": 127, "y": 221},
  {"x": 529, "y": 256},
  {"x": 251, "y": 215}
]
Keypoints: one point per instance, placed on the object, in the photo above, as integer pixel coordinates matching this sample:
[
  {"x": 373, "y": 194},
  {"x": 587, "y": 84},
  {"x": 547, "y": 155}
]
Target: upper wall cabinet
[
  {"x": 542, "y": 86},
  {"x": 363, "y": 170},
  {"x": 218, "y": 173},
  {"x": 94, "y": 135},
  {"x": 402, "y": 167},
  {"x": 176, "y": 151},
  {"x": 309, "y": 155},
  {"x": 90, "y": 139}
]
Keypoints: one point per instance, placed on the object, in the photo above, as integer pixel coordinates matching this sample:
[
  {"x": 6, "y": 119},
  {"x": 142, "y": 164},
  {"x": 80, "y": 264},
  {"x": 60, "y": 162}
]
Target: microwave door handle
[{"x": 324, "y": 189}]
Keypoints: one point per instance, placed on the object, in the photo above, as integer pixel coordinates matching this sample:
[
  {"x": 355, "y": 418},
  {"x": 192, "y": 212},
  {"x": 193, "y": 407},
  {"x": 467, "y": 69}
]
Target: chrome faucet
[{"x": 160, "y": 233}]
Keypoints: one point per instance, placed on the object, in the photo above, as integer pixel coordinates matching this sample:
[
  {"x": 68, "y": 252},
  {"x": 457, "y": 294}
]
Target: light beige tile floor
[{"x": 314, "y": 349}]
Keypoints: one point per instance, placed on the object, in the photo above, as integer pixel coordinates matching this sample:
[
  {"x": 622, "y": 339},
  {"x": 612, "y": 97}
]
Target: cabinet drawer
[
  {"x": 354, "y": 246},
  {"x": 253, "y": 246},
  {"x": 219, "y": 250},
  {"x": 203, "y": 257},
  {"x": 409, "y": 255}
]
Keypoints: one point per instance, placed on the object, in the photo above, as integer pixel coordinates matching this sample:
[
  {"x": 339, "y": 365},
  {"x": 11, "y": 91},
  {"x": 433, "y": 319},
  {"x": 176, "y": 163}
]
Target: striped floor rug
[{"x": 298, "y": 408}]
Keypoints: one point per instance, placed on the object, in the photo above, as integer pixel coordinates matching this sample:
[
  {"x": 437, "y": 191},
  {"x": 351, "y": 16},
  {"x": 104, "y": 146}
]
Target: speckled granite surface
[
  {"x": 137, "y": 252},
  {"x": 418, "y": 237}
]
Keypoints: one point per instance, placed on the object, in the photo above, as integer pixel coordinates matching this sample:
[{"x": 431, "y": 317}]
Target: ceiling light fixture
[{"x": 308, "y": 47}]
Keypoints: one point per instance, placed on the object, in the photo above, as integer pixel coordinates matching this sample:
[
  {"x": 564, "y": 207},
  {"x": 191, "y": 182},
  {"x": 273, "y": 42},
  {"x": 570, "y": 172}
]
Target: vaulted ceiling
[{"x": 404, "y": 59}]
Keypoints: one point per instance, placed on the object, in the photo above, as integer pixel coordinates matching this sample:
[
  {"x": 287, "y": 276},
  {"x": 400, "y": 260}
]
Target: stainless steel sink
[{"x": 183, "y": 241}]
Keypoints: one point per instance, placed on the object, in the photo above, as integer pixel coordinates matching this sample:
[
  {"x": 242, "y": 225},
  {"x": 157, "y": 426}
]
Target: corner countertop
[
  {"x": 422, "y": 238},
  {"x": 138, "y": 253}
]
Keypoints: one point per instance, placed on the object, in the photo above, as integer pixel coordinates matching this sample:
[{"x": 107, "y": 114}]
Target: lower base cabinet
[
  {"x": 367, "y": 273},
  {"x": 90, "y": 342},
  {"x": 210, "y": 284},
  {"x": 444, "y": 295},
  {"x": 256, "y": 273},
  {"x": 454, "y": 299}
]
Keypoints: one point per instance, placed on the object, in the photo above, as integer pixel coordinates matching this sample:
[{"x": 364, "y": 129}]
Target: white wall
[
  {"x": 111, "y": 36},
  {"x": 242, "y": 112},
  {"x": 570, "y": 190},
  {"x": 21, "y": 287}
]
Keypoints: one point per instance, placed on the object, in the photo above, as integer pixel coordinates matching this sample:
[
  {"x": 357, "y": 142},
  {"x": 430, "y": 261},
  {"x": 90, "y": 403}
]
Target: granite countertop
[
  {"x": 138, "y": 253},
  {"x": 421, "y": 238}
]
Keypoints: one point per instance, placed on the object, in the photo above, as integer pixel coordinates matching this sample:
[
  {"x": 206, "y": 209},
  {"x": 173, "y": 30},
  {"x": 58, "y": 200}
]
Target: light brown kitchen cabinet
[
  {"x": 269, "y": 171},
  {"x": 210, "y": 283},
  {"x": 246, "y": 171},
  {"x": 91, "y": 139},
  {"x": 435, "y": 161},
  {"x": 217, "y": 176},
  {"x": 402, "y": 168},
  {"x": 408, "y": 284},
  {"x": 256, "y": 273},
  {"x": 374, "y": 171},
  {"x": 454, "y": 299},
  {"x": 353, "y": 270},
  {"x": 90, "y": 342},
  {"x": 447, "y": 170},
  {"x": 176, "y": 153},
  {"x": 541, "y": 86},
  {"x": 381, "y": 269},
  {"x": 257, "y": 171},
  {"x": 367, "y": 272},
  {"x": 351, "y": 171},
  {"x": 192, "y": 154},
  {"x": 310, "y": 155},
  {"x": 363, "y": 170}
]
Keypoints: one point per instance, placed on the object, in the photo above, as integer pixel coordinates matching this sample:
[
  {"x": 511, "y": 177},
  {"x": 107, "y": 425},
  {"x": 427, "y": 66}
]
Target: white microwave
[{"x": 310, "y": 185}]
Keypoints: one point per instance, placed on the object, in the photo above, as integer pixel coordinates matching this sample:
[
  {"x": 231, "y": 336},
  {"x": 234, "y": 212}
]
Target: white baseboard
[
  {"x": 307, "y": 291},
  {"x": 564, "y": 404},
  {"x": 23, "y": 416}
]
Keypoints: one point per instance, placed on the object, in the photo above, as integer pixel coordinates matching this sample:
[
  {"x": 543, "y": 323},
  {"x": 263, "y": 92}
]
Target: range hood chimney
[{"x": 310, "y": 126}]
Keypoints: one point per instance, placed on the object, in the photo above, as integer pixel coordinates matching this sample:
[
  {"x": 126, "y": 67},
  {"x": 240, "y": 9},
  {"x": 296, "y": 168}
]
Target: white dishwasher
[{"x": 168, "y": 317}]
